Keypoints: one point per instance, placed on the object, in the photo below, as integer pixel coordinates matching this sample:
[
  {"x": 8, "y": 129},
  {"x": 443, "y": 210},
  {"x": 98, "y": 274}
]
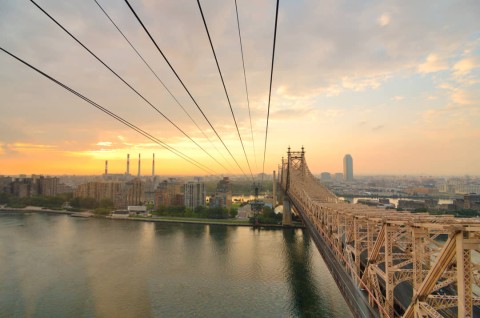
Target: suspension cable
[
  {"x": 270, "y": 89},
  {"x": 159, "y": 80},
  {"x": 246, "y": 86},
  {"x": 116, "y": 117},
  {"x": 224, "y": 86},
  {"x": 181, "y": 82},
  {"x": 126, "y": 83}
]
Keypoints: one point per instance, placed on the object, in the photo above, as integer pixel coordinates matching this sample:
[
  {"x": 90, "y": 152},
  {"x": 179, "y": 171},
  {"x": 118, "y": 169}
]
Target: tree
[
  {"x": 85, "y": 203},
  {"x": 217, "y": 213},
  {"x": 106, "y": 203},
  {"x": 200, "y": 211},
  {"x": 233, "y": 212},
  {"x": 5, "y": 198}
]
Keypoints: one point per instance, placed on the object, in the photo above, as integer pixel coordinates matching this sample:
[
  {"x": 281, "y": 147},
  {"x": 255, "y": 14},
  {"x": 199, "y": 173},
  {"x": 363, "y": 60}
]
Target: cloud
[
  {"x": 465, "y": 97},
  {"x": 8, "y": 151},
  {"x": 334, "y": 113},
  {"x": 433, "y": 63},
  {"x": 105, "y": 143},
  {"x": 384, "y": 20},
  {"x": 290, "y": 113},
  {"x": 33, "y": 146},
  {"x": 361, "y": 84},
  {"x": 18, "y": 148},
  {"x": 372, "y": 59},
  {"x": 377, "y": 128},
  {"x": 464, "y": 66}
]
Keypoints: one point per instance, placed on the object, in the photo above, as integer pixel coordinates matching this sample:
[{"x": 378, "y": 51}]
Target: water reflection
[
  {"x": 58, "y": 266},
  {"x": 306, "y": 302}
]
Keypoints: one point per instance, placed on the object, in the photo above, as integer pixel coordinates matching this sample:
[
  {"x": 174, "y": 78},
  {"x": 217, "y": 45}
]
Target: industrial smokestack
[
  {"x": 138, "y": 165},
  {"x": 153, "y": 166},
  {"x": 106, "y": 167},
  {"x": 128, "y": 163},
  {"x": 274, "y": 190}
]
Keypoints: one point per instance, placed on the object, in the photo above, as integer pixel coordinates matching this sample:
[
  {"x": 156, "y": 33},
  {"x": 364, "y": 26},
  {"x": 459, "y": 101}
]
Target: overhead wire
[
  {"x": 185, "y": 87},
  {"x": 115, "y": 116},
  {"x": 246, "y": 86},
  {"x": 224, "y": 86},
  {"x": 270, "y": 89},
  {"x": 126, "y": 83},
  {"x": 158, "y": 78}
]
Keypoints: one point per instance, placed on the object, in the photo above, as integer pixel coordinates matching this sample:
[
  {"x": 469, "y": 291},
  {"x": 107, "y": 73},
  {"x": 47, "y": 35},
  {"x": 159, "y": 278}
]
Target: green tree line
[
  {"x": 198, "y": 212},
  {"x": 55, "y": 202}
]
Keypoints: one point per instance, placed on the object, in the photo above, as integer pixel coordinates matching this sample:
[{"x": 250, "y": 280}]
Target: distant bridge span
[{"x": 387, "y": 263}]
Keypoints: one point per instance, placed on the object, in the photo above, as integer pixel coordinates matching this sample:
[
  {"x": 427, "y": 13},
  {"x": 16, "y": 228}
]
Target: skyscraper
[{"x": 348, "y": 168}]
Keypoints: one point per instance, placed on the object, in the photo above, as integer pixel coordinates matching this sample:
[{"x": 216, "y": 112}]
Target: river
[{"x": 60, "y": 266}]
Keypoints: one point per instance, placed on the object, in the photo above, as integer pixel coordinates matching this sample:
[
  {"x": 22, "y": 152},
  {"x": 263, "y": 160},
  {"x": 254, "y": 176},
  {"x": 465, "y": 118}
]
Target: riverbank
[
  {"x": 223, "y": 222},
  {"x": 33, "y": 209}
]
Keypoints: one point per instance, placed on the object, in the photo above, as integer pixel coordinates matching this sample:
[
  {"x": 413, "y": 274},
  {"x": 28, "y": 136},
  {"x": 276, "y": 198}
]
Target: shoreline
[
  {"x": 178, "y": 220},
  {"x": 34, "y": 210}
]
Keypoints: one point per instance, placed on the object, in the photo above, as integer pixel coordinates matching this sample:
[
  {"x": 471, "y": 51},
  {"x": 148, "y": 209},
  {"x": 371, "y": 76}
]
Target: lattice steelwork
[{"x": 409, "y": 264}]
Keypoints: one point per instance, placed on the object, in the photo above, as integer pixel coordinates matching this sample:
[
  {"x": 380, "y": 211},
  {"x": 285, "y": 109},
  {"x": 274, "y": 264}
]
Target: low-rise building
[
  {"x": 472, "y": 201},
  {"x": 411, "y": 204}
]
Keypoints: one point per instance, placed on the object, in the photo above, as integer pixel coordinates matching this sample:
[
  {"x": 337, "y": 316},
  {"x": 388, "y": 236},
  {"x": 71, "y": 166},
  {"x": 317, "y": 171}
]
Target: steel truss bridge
[{"x": 387, "y": 263}]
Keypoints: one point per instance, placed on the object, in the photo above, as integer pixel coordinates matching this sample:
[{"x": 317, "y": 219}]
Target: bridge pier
[{"x": 287, "y": 212}]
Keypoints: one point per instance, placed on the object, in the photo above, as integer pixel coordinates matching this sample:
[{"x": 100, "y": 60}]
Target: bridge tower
[
  {"x": 295, "y": 160},
  {"x": 280, "y": 181},
  {"x": 287, "y": 208}
]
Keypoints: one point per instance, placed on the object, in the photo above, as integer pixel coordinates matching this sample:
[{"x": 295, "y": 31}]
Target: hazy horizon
[{"x": 394, "y": 84}]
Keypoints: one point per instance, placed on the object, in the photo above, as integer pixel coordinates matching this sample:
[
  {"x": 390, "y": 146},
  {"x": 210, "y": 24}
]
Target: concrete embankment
[
  {"x": 33, "y": 209},
  {"x": 205, "y": 221},
  {"x": 154, "y": 219}
]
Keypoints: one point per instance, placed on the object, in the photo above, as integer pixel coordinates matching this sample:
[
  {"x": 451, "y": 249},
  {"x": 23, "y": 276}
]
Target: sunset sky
[{"x": 396, "y": 84}]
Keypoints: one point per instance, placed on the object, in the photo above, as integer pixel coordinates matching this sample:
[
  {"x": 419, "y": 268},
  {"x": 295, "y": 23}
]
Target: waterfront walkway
[{"x": 164, "y": 219}]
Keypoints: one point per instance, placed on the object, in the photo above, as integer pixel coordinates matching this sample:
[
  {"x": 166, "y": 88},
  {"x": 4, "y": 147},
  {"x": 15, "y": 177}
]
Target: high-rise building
[
  {"x": 168, "y": 193},
  {"x": 99, "y": 190},
  {"x": 48, "y": 186},
  {"x": 223, "y": 194},
  {"x": 348, "y": 168},
  {"x": 135, "y": 192},
  {"x": 194, "y": 194}
]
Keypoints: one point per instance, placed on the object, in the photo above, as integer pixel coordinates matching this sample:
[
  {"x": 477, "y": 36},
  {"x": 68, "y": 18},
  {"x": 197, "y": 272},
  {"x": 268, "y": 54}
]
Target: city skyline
[{"x": 395, "y": 84}]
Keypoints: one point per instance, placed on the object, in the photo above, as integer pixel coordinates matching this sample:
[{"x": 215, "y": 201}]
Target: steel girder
[{"x": 382, "y": 249}]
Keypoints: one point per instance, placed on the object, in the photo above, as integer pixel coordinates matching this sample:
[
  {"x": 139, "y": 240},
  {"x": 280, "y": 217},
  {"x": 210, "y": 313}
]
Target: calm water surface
[{"x": 59, "y": 266}]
